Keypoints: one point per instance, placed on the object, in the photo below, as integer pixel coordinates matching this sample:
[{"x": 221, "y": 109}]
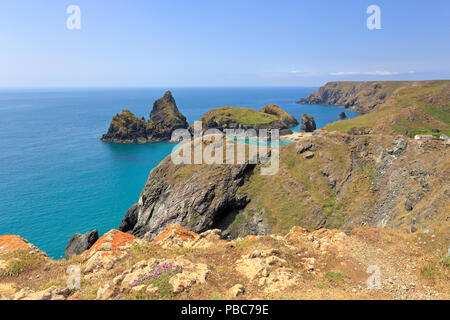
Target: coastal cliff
[
  {"x": 195, "y": 196},
  {"x": 403, "y": 107},
  {"x": 361, "y": 97},
  {"x": 164, "y": 118},
  {"x": 330, "y": 179}
]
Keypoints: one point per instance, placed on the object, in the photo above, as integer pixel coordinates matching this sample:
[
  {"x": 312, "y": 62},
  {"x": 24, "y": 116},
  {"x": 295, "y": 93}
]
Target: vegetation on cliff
[
  {"x": 360, "y": 96},
  {"x": 269, "y": 117},
  {"x": 287, "y": 119},
  {"x": 407, "y": 108}
]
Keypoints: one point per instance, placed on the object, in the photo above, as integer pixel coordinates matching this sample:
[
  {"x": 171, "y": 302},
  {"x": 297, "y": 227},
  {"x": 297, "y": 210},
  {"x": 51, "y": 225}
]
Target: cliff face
[
  {"x": 361, "y": 97},
  {"x": 195, "y": 196},
  {"x": 325, "y": 179},
  {"x": 164, "y": 118}
]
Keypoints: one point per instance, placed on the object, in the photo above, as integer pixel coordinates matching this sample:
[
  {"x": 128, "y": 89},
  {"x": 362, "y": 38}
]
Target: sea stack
[
  {"x": 308, "y": 123},
  {"x": 79, "y": 243},
  {"x": 342, "y": 115},
  {"x": 164, "y": 118}
]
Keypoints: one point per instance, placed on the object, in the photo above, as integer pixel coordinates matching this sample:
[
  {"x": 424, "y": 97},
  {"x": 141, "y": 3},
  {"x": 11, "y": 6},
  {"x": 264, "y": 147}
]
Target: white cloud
[{"x": 367, "y": 73}]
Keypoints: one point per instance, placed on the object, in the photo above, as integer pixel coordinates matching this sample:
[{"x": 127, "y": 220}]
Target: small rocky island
[
  {"x": 268, "y": 117},
  {"x": 164, "y": 118},
  {"x": 342, "y": 115},
  {"x": 308, "y": 123}
]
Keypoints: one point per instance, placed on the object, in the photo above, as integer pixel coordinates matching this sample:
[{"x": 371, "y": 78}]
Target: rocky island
[
  {"x": 269, "y": 117},
  {"x": 164, "y": 119}
]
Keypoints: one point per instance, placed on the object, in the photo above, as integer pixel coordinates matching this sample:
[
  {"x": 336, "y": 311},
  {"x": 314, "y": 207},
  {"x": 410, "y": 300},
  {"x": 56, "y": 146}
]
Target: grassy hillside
[
  {"x": 417, "y": 107},
  {"x": 351, "y": 181}
]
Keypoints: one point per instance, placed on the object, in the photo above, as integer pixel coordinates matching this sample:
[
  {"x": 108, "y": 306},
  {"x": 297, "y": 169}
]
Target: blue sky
[{"x": 221, "y": 43}]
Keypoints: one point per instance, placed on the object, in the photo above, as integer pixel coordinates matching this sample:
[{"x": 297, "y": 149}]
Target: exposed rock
[
  {"x": 360, "y": 131},
  {"x": 109, "y": 249},
  {"x": 342, "y": 115},
  {"x": 358, "y": 96},
  {"x": 105, "y": 292},
  {"x": 261, "y": 267},
  {"x": 408, "y": 205},
  {"x": 399, "y": 146},
  {"x": 164, "y": 118},
  {"x": 308, "y": 123},
  {"x": 193, "y": 274},
  {"x": 308, "y": 155},
  {"x": 252, "y": 267},
  {"x": 197, "y": 203},
  {"x": 9, "y": 243},
  {"x": 237, "y": 291},
  {"x": 288, "y": 120},
  {"x": 279, "y": 280},
  {"x": 80, "y": 243},
  {"x": 303, "y": 146},
  {"x": 52, "y": 293}
]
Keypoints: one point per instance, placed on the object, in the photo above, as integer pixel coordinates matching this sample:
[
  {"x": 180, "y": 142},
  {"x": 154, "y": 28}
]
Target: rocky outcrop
[
  {"x": 179, "y": 264},
  {"x": 308, "y": 123},
  {"x": 360, "y": 97},
  {"x": 107, "y": 251},
  {"x": 342, "y": 115},
  {"x": 79, "y": 243},
  {"x": 269, "y": 117},
  {"x": 10, "y": 243},
  {"x": 202, "y": 199},
  {"x": 288, "y": 120},
  {"x": 164, "y": 118}
]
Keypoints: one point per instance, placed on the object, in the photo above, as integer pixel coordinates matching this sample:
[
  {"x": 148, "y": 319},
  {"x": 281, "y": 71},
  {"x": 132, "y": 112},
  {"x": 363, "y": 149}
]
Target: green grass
[
  {"x": 323, "y": 285},
  {"x": 183, "y": 251},
  {"x": 243, "y": 244},
  {"x": 20, "y": 261},
  {"x": 429, "y": 271},
  {"x": 51, "y": 284},
  {"x": 335, "y": 276},
  {"x": 422, "y": 108},
  {"x": 246, "y": 116},
  {"x": 444, "y": 261},
  {"x": 216, "y": 296}
]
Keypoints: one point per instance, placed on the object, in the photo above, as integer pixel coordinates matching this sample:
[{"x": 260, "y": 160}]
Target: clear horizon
[{"x": 220, "y": 43}]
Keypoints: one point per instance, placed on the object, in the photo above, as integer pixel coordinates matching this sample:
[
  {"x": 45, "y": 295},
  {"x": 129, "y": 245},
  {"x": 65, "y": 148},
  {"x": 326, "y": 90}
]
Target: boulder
[
  {"x": 79, "y": 243},
  {"x": 342, "y": 115},
  {"x": 110, "y": 248},
  {"x": 303, "y": 146},
  {"x": 237, "y": 290},
  {"x": 308, "y": 123},
  {"x": 308, "y": 155}
]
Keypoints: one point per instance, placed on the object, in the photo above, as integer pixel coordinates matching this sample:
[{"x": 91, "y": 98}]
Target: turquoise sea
[{"x": 57, "y": 178}]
